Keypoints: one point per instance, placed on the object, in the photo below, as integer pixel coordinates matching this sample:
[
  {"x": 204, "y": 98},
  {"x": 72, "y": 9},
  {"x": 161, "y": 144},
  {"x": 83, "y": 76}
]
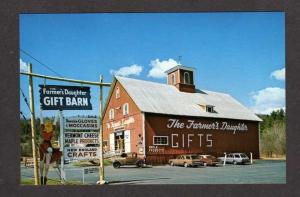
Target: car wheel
[
  {"x": 234, "y": 162},
  {"x": 185, "y": 165},
  {"x": 116, "y": 164},
  {"x": 171, "y": 163},
  {"x": 139, "y": 164}
]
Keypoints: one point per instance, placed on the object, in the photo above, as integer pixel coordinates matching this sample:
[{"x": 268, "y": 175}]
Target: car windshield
[
  {"x": 194, "y": 157},
  {"x": 244, "y": 155}
]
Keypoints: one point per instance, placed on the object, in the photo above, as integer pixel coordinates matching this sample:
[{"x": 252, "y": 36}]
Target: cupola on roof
[{"x": 182, "y": 78}]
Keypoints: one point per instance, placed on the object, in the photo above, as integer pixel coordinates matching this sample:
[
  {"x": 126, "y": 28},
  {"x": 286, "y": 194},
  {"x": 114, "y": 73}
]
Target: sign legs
[{"x": 61, "y": 134}]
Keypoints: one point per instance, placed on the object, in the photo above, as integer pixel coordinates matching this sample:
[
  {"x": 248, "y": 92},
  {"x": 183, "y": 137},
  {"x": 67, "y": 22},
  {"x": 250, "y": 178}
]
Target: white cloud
[
  {"x": 279, "y": 74},
  {"x": 128, "y": 70},
  {"x": 23, "y": 66},
  {"x": 268, "y": 100},
  {"x": 159, "y": 67}
]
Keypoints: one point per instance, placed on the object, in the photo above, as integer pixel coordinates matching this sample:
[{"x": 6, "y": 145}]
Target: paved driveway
[{"x": 260, "y": 172}]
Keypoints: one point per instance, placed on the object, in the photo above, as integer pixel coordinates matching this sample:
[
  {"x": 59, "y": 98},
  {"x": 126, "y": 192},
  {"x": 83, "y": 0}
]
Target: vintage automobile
[
  {"x": 186, "y": 160},
  {"x": 208, "y": 160},
  {"x": 235, "y": 158},
  {"x": 128, "y": 159}
]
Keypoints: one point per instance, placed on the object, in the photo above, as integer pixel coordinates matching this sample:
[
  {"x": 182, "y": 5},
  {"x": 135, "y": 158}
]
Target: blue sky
[{"x": 240, "y": 53}]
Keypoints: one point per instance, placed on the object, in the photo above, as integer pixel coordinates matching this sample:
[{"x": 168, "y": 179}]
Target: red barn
[{"x": 160, "y": 121}]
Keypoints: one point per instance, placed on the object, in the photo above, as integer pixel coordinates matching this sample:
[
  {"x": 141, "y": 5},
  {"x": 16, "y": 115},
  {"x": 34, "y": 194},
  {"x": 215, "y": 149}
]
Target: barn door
[
  {"x": 112, "y": 142},
  {"x": 127, "y": 141}
]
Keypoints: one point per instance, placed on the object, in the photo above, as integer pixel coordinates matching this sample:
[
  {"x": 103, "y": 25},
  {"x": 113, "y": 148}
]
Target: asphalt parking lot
[{"x": 261, "y": 172}]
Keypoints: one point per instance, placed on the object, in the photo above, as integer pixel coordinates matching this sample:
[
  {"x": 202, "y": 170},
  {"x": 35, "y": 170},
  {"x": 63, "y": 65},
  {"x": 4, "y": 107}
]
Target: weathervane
[{"x": 179, "y": 59}]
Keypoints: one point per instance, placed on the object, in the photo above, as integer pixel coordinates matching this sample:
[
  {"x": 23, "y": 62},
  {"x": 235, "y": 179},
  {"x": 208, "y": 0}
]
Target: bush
[{"x": 26, "y": 149}]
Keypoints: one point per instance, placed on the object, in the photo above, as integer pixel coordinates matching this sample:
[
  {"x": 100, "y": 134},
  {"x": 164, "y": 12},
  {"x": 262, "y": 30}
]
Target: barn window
[
  {"x": 173, "y": 79},
  {"x": 111, "y": 114},
  {"x": 125, "y": 109},
  {"x": 160, "y": 140},
  {"x": 210, "y": 108},
  {"x": 186, "y": 78},
  {"x": 117, "y": 92}
]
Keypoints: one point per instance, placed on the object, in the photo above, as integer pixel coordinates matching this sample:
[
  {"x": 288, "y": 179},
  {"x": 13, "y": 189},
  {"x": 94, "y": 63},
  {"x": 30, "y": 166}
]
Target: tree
[{"x": 273, "y": 134}]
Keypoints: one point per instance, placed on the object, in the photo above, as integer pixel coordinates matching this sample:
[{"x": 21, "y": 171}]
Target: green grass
[{"x": 50, "y": 182}]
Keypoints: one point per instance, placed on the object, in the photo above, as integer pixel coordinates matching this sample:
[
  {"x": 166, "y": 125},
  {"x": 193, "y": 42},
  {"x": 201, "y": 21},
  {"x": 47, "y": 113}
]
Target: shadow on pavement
[
  {"x": 133, "y": 167},
  {"x": 136, "y": 180}
]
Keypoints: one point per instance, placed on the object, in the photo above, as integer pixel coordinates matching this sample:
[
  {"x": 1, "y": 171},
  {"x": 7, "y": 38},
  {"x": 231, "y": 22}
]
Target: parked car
[
  {"x": 128, "y": 159},
  {"x": 186, "y": 160},
  {"x": 208, "y": 160},
  {"x": 235, "y": 158}
]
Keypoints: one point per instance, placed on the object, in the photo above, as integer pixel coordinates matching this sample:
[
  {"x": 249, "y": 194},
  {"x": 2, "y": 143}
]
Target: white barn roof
[{"x": 166, "y": 99}]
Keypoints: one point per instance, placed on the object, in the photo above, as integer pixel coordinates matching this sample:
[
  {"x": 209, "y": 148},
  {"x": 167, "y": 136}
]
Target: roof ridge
[
  {"x": 163, "y": 84},
  {"x": 157, "y": 83}
]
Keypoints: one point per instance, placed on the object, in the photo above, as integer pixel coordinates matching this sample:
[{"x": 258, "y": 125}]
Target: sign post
[
  {"x": 62, "y": 102},
  {"x": 33, "y": 131},
  {"x": 101, "y": 166},
  {"x": 225, "y": 157},
  {"x": 61, "y": 147}
]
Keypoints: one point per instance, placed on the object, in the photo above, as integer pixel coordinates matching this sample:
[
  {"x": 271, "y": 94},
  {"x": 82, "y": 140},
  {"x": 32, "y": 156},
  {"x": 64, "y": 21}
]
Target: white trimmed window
[
  {"x": 117, "y": 92},
  {"x": 111, "y": 114},
  {"x": 173, "y": 79},
  {"x": 125, "y": 109},
  {"x": 186, "y": 78},
  {"x": 160, "y": 140}
]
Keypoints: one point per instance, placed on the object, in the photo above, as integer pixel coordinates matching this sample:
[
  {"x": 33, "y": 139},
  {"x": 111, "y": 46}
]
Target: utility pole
[
  {"x": 101, "y": 166},
  {"x": 33, "y": 131}
]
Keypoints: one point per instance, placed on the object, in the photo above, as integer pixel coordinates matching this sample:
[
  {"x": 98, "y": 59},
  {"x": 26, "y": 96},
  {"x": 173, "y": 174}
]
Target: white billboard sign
[
  {"x": 80, "y": 153},
  {"x": 79, "y": 123},
  {"x": 81, "y": 137}
]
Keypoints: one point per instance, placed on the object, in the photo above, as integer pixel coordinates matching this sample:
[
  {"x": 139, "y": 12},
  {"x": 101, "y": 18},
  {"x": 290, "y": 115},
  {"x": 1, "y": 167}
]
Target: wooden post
[
  {"x": 225, "y": 157},
  {"x": 33, "y": 131},
  {"x": 61, "y": 146},
  {"x": 101, "y": 166}
]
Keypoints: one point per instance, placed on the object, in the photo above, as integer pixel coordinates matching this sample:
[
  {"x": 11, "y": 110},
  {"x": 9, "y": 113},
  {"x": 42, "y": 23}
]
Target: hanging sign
[
  {"x": 81, "y": 153},
  {"x": 81, "y": 137},
  {"x": 55, "y": 97},
  {"x": 78, "y": 123}
]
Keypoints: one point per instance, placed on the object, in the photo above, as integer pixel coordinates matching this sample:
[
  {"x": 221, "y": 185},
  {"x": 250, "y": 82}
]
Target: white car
[{"x": 235, "y": 158}]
